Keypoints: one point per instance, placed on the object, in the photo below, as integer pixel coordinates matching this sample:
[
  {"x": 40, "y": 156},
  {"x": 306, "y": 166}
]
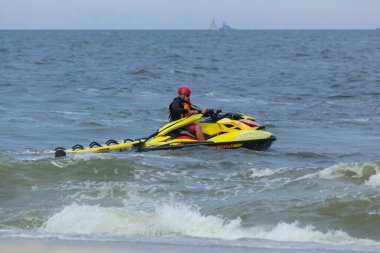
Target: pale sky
[{"x": 189, "y": 14}]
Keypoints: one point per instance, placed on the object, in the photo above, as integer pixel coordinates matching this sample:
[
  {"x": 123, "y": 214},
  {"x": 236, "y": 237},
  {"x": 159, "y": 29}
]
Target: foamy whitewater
[
  {"x": 316, "y": 190},
  {"x": 179, "y": 220}
]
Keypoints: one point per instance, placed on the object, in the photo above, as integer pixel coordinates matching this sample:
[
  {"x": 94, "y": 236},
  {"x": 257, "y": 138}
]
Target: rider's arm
[{"x": 195, "y": 108}]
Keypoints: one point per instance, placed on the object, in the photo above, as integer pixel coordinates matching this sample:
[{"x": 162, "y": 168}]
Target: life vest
[
  {"x": 186, "y": 106},
  {"x": 176, "y": 115}
]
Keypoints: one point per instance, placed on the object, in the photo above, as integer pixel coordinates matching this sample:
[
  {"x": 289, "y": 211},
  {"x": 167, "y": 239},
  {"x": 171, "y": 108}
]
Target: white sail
[{"x": 213, "y": 26}]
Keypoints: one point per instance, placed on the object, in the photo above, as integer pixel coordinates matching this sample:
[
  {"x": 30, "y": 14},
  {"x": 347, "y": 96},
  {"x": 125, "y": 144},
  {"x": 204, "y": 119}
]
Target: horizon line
[{"x": 182, "y": 29}]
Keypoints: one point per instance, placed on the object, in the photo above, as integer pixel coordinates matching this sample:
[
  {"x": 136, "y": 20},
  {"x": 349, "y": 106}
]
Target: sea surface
[{"x": 316, "y": 189}]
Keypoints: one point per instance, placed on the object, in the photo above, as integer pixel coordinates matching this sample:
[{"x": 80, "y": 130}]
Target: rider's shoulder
[{"x": 177, "y": 100}]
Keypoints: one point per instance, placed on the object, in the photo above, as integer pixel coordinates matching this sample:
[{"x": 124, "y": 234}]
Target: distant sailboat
[{"x": 213, "y": 26}]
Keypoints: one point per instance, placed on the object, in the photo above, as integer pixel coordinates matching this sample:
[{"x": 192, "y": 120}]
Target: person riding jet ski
[{"x": 182, "y": 107}]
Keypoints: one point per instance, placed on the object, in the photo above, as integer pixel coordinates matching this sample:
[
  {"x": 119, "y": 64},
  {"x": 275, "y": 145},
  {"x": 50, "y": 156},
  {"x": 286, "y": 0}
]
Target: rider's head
[{"x": 184, "y": 91}]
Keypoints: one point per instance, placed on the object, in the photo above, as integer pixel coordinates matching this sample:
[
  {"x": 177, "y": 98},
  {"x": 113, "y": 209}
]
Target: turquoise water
[{"x": 317, "y": 188}]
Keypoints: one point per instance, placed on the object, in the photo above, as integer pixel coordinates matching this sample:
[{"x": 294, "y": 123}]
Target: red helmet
[{"x": 184, "y": 90}]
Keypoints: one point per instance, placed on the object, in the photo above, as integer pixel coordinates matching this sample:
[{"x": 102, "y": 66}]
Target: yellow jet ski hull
[{"x": 223, "y": 133}]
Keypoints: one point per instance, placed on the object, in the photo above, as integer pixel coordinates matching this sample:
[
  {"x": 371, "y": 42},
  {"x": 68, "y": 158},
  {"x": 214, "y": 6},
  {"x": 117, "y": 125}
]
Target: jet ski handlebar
[{"x": 212, "y": 113}]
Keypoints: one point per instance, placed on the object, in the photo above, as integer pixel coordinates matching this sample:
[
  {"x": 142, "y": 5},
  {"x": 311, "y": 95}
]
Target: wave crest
[
  {"x": 369, "y": 172},
  {"x": 179, "y": 220}
]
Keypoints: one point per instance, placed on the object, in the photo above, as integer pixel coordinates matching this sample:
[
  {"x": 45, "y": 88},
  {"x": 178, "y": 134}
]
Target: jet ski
[{"x": 223, "y": 131}]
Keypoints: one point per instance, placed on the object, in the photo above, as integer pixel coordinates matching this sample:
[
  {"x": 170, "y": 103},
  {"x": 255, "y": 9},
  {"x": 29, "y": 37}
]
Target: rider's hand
[{"x": 204, "y": 111}]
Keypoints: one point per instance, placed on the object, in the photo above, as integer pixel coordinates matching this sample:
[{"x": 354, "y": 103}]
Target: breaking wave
[
  {"x": 179, "y": 220},
  {"x": 368, "y": 172}
]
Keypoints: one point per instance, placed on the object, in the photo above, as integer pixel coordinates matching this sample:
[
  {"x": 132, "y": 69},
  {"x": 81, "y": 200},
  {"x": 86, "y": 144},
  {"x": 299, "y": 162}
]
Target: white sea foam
[
  {"x": 374, "y": 181},
  {"x": 258, "y": 173},
  {"x": 368, "y": 171},
  {"x": 70, "y": 112},
  {"x": 178, "y": 220},
  {"x": 295, "y": 233},
  {"x": 76, "y": 158},
  {"x": 211, "y": 94}
]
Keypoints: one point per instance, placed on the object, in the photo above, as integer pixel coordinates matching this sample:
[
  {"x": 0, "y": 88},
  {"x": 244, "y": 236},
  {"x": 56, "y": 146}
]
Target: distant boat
[{"x": 225, "y": 27}]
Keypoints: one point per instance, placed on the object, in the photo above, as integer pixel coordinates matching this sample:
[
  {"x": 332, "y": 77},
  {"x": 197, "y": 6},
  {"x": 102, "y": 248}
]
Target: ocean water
[{"x": 317, "y": 188}]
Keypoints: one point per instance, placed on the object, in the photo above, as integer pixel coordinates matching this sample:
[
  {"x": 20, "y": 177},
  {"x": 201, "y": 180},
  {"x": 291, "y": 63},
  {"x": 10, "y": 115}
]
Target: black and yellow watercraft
[{"x": 226, "y": 131}]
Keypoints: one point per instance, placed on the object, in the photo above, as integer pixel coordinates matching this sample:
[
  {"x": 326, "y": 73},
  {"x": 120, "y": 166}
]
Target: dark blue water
[{"x": 317, "y": 91}]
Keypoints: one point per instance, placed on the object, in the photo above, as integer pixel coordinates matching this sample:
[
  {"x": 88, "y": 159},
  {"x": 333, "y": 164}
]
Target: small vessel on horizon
[{"x": 224, "y": 27}]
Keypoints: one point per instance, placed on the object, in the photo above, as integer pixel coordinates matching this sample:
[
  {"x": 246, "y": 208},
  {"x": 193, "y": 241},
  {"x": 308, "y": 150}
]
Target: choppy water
[{"x": 318, "y": 188}]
